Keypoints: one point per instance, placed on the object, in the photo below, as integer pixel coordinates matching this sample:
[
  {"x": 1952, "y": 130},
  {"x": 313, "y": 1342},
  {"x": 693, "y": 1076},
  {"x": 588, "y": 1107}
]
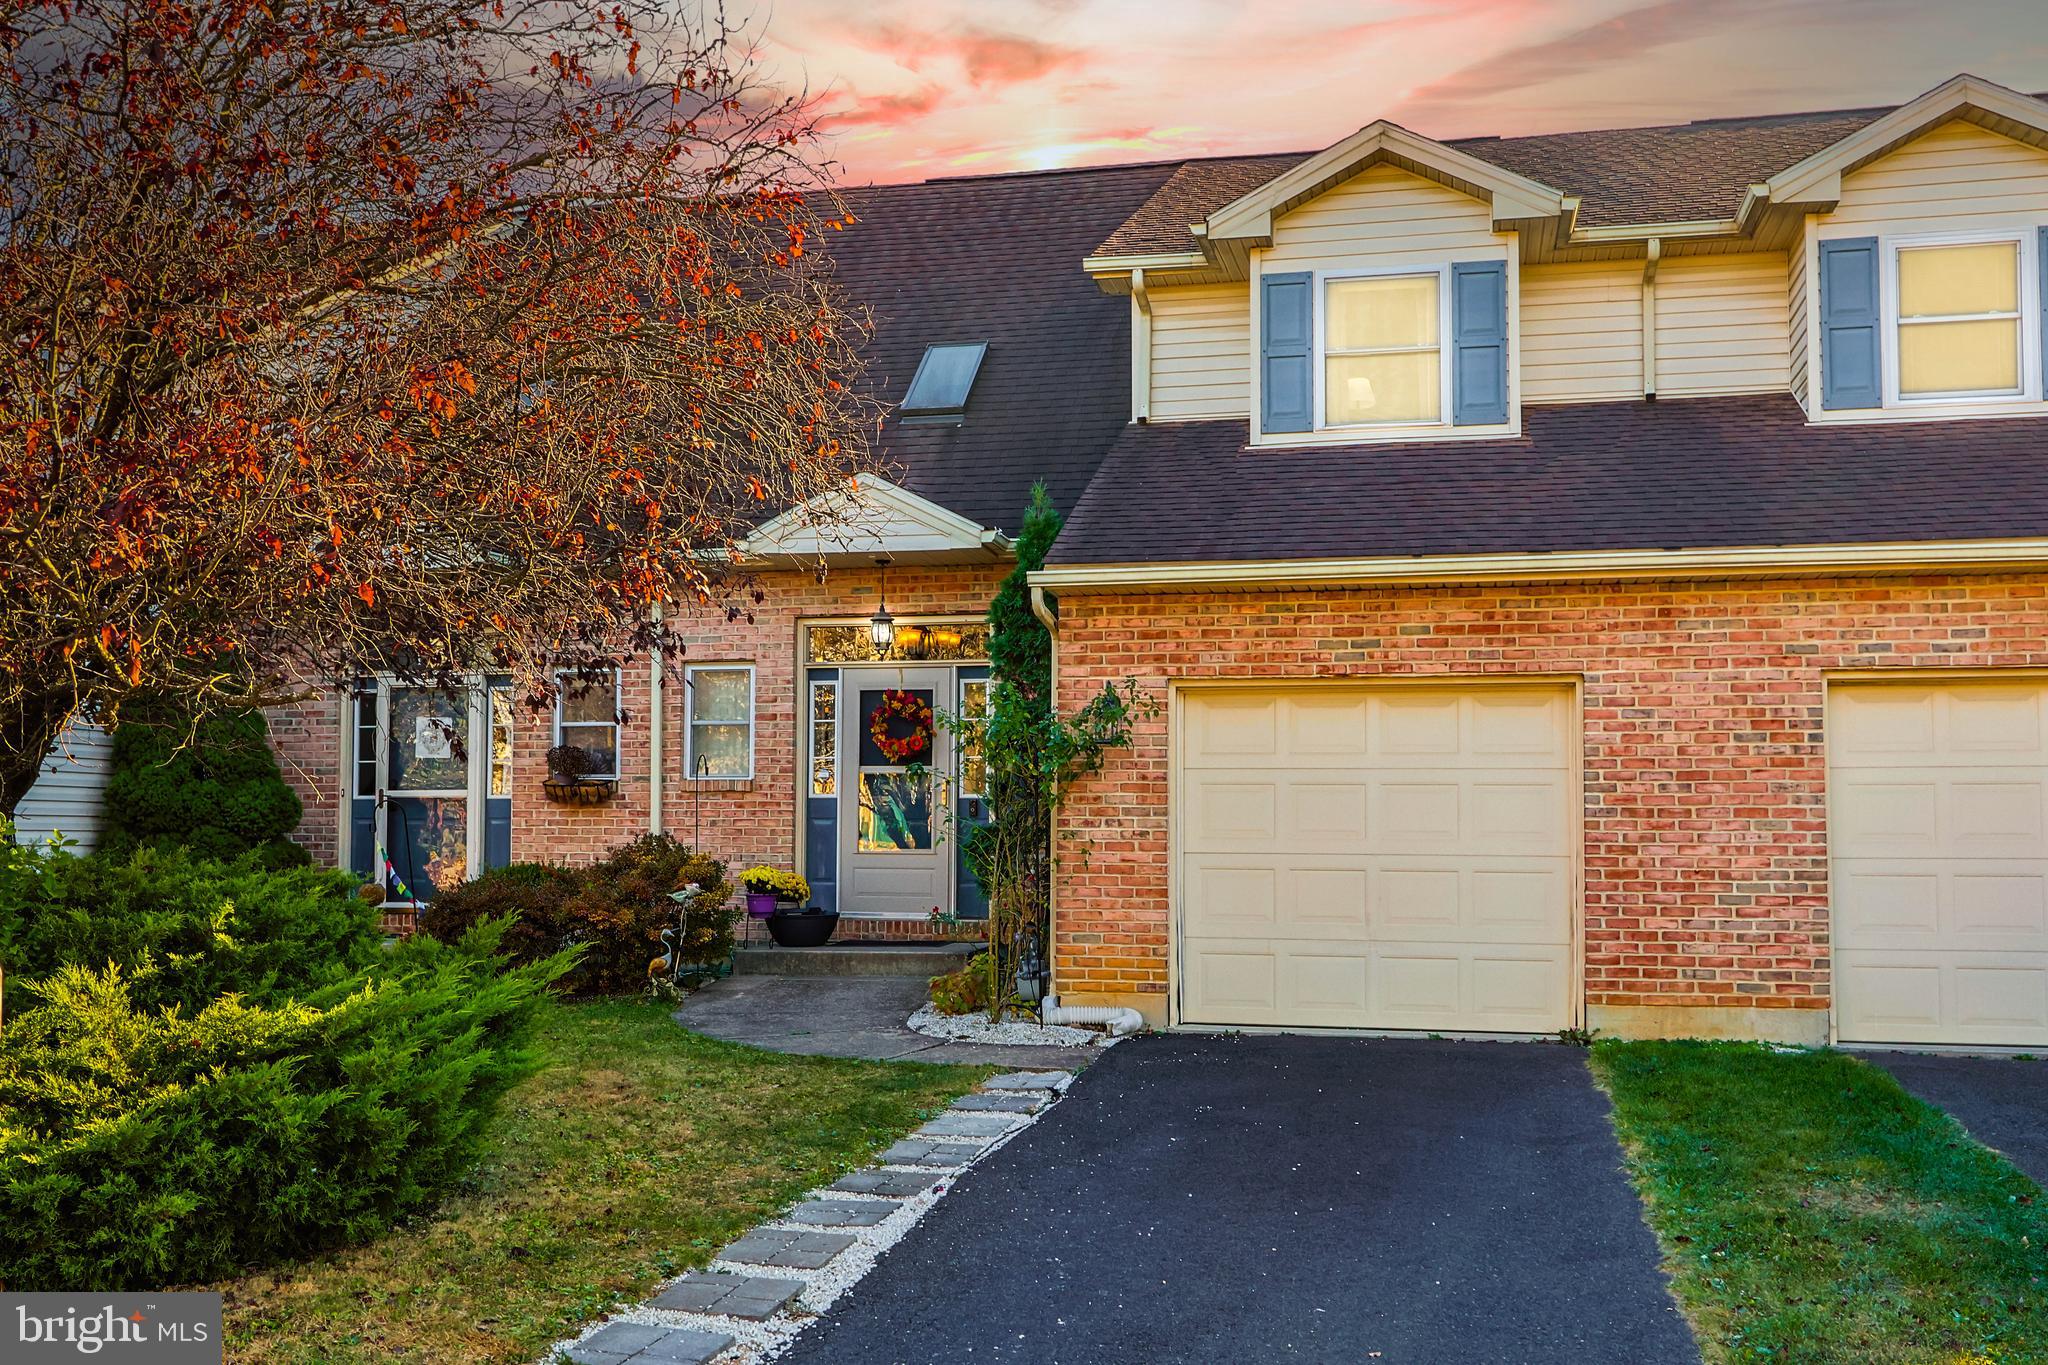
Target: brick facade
[
  {"x": 740, "y": 822},
  {"x": 1705, "y": 861}
]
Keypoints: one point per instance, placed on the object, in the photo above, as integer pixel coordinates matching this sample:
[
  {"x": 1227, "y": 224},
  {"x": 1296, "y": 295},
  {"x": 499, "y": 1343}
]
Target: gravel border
[{"x": 976, "y": 1028}]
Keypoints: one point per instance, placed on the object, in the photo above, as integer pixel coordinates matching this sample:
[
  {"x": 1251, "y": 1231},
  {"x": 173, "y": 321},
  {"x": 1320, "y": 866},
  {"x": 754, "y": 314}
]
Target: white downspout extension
[
  {"x": 1118, "y": 1019},
  {"x": 1653, "y": 253},
  {"x": 654, "y": 732}
]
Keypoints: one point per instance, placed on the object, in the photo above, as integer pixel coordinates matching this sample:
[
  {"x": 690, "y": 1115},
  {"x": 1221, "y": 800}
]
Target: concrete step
[{"x": 854, "y": 959}]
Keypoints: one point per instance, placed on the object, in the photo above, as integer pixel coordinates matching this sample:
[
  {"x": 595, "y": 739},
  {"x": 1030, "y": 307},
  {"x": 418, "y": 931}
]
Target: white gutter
[
  {"x": 1141, "y": 348},
  {"x": 654, "y": 731},
  {"x": 1565, "y": 565}
]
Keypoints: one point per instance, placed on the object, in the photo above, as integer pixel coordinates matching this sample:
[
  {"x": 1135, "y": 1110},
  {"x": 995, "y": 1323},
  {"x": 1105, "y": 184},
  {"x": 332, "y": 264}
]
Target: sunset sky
[{"x": 923, "y": 88}]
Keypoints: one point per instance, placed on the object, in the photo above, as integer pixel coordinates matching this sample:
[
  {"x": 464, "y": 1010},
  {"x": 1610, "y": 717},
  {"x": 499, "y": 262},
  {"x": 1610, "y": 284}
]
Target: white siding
[
  {"x": 66, "y": 798},
  {"x": 1954, "y": 178},
  {"x": 1723, "y": 325},
  {"x": 1795, "y": 317},
  {"x": 1383, "y": 217},
  {"x": 1201, "y": 352},
  {"x": 1582, "y": 332}
]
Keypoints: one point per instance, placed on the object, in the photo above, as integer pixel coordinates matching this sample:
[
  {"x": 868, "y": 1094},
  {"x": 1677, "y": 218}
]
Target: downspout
[
  {"x": 1653, "y": 253},
  {"x": 1141, "y": 348},
  {"x": 1118, "y": 1019},
  {"x": 655, "y": 824}
]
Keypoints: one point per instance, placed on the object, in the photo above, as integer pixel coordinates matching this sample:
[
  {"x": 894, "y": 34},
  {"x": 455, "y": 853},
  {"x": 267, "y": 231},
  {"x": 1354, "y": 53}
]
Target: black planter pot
[{"x": 802, "y": 928}]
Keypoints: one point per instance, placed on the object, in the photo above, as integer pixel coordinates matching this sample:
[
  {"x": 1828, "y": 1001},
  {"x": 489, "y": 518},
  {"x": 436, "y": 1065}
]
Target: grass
[
  {"x": 1812, "y": 1211},
  {"x": 638, "y": 1152}
]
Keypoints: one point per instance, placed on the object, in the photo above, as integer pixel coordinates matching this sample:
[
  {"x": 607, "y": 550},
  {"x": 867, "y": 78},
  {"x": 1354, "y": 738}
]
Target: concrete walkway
[
  {"x": 1399, "y": 1201},
  {"x": 2003, "y": 1101},
  {"x": 856, "y": 1016}
]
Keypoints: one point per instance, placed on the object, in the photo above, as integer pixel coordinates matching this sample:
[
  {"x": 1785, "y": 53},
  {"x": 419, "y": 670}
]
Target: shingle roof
[
  {"x": 1692, "y": 473},
  {"x": 1670, "y": 173},
  {"x": 997, "y": 259}
]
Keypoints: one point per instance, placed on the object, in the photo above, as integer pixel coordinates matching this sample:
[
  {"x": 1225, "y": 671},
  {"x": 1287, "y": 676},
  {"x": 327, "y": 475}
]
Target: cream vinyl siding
[
  {"x": 1390, "y": 857},
  {"x": 1582, "y": 332},
  {"x": 1795, "y": 315},
  {"x": 1201, "y": 352},
  {"x": 1953, "y": 179},
  {"x": 1723, "y": 325},
  {"x": 1938, "y": 824},
  {"x": 1382, "y": 219}
]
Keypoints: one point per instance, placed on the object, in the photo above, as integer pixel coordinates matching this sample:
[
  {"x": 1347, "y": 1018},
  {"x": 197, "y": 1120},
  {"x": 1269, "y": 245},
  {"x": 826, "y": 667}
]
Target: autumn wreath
[{"x": 896, "y": 705}]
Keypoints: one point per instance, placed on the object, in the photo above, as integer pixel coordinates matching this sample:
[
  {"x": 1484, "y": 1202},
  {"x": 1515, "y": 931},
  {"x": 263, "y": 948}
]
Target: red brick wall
[
  {"x": 308, "y": 741},
  {"x": 741, "y": 822},
  {"x": 1706, "y": 841}
]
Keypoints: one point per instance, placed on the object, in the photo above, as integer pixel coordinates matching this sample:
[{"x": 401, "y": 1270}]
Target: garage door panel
[
  {"x": 1416, "y": 871},
  {"x": 1939, "y": 803}
]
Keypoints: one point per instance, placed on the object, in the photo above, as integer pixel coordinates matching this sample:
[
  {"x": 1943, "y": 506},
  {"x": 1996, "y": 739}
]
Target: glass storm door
[
  {"x": 432, "y": 800},
  {"x": 896, "y": 845}
]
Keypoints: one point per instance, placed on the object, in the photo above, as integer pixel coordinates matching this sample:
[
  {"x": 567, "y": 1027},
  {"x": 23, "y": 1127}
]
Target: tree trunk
[{"x": 28, "y": 731}]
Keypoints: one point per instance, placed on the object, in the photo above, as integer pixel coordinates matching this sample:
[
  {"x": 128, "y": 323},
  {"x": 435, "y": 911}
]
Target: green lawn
[
  {"x": 1813, "y": 1211},
  {"x": 639, "y": 1151}
]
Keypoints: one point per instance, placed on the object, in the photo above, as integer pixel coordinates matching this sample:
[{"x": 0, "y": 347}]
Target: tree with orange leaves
[{"x": 421, "y": 336}]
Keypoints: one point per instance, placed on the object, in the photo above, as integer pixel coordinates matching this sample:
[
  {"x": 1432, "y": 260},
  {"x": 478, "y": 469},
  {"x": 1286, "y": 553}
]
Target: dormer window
[
  {"x": 1382, "y": 349},
  {"x": 944, "y": 378},
  {"x": 1957, "y": 314}
]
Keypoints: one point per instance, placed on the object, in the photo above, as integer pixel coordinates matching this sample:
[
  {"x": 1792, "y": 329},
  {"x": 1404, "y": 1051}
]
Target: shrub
[
  {"x": 214, "y": 788},
  {"x": 183, "y": 930},
  {"x": 967, "y": 991},
  {"x": 141, "y": 1148},
  {"x": 614, "y": 910}
]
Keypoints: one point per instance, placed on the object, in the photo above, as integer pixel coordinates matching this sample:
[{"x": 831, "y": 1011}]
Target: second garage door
[
  {"x": 1938, "y": 803},
  {"x": 1380, "y": 857}
]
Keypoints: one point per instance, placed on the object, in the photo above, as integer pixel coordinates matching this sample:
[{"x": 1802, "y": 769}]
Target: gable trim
[
  {"x": 1816, "y": 182},
  {"x": 872, "y": 516},
  {"x": 1249, "y": 219}
]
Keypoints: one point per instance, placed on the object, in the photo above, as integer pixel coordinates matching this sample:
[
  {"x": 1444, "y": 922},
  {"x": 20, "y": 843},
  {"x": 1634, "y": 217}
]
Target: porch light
[
  {"x": 882, "y": 626},
  {"x": 946, "y": 640},
  {"x": 911, "y": 641}
]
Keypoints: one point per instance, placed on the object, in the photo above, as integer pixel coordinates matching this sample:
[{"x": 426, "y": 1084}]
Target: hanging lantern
[{"x": 882, "y": 630}]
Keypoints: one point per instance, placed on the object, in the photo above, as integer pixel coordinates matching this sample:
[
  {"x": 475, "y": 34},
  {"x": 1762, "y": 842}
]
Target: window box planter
[{"x": 582, "y": 791}]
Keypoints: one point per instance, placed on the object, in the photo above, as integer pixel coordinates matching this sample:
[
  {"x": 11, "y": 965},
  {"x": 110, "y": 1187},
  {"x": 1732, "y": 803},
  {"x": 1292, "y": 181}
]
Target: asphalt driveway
[
  {"x": 2003, "y": 1101},
  {"x": 1238, "y": 1198}
]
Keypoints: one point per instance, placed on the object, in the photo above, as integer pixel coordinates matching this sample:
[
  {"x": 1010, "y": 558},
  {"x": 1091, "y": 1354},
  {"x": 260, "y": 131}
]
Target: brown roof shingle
[{"x": 1669, "y": 173}]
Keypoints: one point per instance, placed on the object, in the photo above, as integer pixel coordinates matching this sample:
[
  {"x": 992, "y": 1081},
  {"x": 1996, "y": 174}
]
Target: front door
[{"x": 895, "y": 844}]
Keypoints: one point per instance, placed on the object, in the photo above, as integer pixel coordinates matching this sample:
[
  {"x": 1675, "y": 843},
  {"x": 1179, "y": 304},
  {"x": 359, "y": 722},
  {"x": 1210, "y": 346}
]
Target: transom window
[
  {"x": 1382, "y": 341},
  {"x": 1958, "y": 318}
]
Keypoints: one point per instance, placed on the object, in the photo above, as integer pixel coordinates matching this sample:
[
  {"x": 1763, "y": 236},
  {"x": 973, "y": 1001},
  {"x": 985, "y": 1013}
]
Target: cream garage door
[
  {"x": 1384, "y": 857},
  {"x": 1936, "y": 819}
]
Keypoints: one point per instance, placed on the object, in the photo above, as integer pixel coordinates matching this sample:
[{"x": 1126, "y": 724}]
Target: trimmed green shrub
[
  {"x": 614, "y": 910},
  {"x": 141, "y": 1148},
  {"x": 183, "y": 930},
  {"x": 214, "y": 788},
  {"x": 967, "y": 991}
]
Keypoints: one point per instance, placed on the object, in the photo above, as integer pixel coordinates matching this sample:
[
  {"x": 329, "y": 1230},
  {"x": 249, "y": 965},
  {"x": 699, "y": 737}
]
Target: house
[{"x": 1587, "y": 580}]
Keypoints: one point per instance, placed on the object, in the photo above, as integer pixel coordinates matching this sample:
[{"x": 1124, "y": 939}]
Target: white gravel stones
[
  {"x": 869, "y": 1211},
  {"x": 976, "y": 1028}
]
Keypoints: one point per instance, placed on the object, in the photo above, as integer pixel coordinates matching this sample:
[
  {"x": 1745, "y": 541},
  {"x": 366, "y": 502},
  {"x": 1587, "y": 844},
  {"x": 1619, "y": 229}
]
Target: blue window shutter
[
  {"x": 1479, "y": 343},
  {"x": 2041, "y": 293},
  {"x": 1851, "y": 325},
  {"x": 1286, "y": 352}
]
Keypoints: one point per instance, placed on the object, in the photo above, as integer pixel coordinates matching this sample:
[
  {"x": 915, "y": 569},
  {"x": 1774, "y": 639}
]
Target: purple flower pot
[{"x": 760, "y": 904}]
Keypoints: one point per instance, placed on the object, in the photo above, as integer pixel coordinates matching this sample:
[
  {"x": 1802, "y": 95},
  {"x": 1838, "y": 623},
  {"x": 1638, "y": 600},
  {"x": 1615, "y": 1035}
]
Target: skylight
[{"x": 943, "y": 379}]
